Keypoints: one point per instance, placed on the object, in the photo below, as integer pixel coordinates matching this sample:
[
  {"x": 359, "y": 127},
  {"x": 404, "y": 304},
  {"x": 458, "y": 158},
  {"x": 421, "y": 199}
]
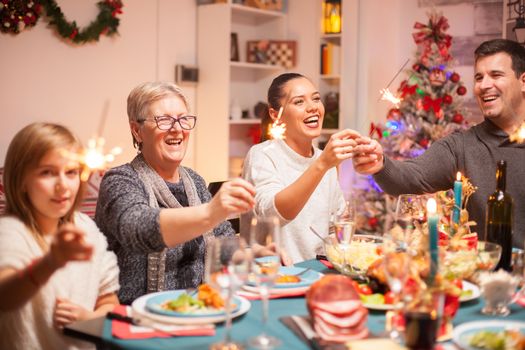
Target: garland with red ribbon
[
  {"x": 17, "y": 15},
  {"x": 106, "y": 22}
]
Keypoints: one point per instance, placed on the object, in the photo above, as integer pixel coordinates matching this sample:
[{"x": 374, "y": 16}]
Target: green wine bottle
[{"x": 499, "y": 218}]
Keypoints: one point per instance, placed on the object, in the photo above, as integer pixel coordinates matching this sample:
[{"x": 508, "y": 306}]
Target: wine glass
[
  {"x": 396, "y": 266},
  {"x": 227, "y": 268},
  {"x": 410, "y": 210},
  {"x": 265, "y": 241},
  {"x": 343, "y": 222}
]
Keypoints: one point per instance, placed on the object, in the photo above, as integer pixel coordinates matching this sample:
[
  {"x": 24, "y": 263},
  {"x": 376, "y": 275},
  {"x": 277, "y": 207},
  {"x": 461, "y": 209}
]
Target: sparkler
[
  {"x": 278, "y": 129},
  {"x": 518, "y": 135},
  {"x": 93, "y": 157},
  {"x": 386, "y": 95}
]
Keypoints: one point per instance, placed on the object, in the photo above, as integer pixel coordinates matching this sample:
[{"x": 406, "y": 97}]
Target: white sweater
[
  {"x": 272, "y": 166},
  {"x": 31, "y": 326}
]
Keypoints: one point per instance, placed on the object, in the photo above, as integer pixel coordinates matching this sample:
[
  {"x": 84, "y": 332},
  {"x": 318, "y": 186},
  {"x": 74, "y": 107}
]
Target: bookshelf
[{"x": 221, "y": 143}]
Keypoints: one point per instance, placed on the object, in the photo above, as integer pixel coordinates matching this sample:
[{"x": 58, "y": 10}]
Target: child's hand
[
  {"x": 69, "y": 245},
  {"x": 67, "y": 312}
]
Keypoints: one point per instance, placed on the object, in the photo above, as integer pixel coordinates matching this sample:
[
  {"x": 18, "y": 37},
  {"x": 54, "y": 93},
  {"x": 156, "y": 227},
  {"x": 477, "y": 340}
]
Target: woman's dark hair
[
  {"x": 275, "y": 91},
  {"x": 511, "y": 48}
]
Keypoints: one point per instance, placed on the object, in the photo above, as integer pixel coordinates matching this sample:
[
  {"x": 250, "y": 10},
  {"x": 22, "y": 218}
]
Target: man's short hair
[{"x": 512, "y": 48}]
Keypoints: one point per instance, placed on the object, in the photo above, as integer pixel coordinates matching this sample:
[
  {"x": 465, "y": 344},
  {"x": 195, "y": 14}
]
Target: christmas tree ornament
[
  {"x": 454, "y": 77},
  {"x": 461, "y": 90},
  {"x": 437, "y": 77},
  {"x": 457, "y": 118},
  {"x": 420, "y": 91},
  {"x": 447, "y": 99},
  {"x": 394, "y": 114}
]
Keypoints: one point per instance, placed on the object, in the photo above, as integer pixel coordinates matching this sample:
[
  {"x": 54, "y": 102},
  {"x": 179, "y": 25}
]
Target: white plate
[
  {"x": 472, "y": 287},
  {"x": 462, "y": 333},
  {"x": 139, "y": 310},
  {"x": 466, "y": 286},
  {"x": 307, "y": 279},
  {"x": 254, "y": 289}
]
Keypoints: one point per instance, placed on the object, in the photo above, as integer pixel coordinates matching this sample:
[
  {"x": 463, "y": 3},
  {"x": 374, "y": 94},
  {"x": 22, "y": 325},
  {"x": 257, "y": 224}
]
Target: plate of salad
[
  {"x": 384, "y": 301},
  {"x": 490, "y": 335},
  {"x": 179, "y": 303}
]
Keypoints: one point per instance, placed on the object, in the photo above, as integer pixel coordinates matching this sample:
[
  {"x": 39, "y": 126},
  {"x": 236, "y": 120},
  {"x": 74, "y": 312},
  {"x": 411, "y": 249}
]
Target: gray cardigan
[
  {"x": 474, "y": 152},
  {"x": 132, "y": 229}
]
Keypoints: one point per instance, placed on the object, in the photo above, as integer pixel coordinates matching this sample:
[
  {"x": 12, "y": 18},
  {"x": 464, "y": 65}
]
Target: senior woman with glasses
[{"x": 157, "y": 214}]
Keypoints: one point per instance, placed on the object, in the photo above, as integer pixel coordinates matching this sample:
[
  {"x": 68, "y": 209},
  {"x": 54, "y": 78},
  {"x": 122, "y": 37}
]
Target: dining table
[{"x": 250, "y": 324}]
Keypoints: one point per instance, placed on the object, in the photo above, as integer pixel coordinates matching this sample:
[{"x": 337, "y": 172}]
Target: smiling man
[{"x": 500, "y": 91}]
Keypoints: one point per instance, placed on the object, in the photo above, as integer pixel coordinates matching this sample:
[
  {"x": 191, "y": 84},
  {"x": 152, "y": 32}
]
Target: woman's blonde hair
[
  {"x": 143, "y": 95},
  {"x": 25, "y": 152}
]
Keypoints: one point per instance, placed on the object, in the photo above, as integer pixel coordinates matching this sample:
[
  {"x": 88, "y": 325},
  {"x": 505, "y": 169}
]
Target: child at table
[{"x": 54, "y": 265}]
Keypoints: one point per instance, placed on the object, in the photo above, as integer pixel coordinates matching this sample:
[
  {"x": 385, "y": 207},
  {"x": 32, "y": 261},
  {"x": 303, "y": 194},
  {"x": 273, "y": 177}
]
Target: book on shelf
[{"x": 330, "y": 59}]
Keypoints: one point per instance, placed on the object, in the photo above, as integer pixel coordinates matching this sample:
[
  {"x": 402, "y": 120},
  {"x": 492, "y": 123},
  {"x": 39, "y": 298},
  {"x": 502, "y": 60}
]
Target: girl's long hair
[{"x": 25, "y": 152}]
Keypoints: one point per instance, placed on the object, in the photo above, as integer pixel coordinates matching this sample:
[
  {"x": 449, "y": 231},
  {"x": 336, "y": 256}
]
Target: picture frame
[
  {"x": 276, "y": 52},
  {"x": 234, "y": 47}
]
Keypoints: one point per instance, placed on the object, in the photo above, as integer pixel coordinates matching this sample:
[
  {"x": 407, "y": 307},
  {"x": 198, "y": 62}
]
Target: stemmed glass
[
  {"x": 409, "y": 217},
  {"x": 227, "y": 268},
  {"x": 396, "y": 265},
  {"x": 265, "y": 237},
  {"x": 343, "y": 225}
]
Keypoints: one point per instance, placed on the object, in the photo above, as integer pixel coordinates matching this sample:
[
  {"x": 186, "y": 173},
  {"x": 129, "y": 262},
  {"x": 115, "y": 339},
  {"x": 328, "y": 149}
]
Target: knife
[
  {"x": 314, "y": 340},
  {"x": 308, "y": 332}
]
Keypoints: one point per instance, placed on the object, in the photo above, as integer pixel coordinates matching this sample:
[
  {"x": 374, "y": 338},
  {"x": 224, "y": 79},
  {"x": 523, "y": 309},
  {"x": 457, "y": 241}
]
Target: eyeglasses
[{"x": 166, "y": 122}]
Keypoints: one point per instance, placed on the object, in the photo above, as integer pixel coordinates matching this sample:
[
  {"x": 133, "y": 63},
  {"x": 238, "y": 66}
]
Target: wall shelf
[
  {"x": 260, "y": 66},
  {"x": 251, "y": 121}
]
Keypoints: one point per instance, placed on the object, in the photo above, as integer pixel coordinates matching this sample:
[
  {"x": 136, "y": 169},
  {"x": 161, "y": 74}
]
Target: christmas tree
[{"x": 427, "y": 107}]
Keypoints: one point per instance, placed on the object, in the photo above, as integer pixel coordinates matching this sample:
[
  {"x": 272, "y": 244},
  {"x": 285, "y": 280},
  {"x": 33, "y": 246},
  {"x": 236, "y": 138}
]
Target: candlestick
[
  {"x": 432, "y": 221},
  {"x": 458, "y": 194}
]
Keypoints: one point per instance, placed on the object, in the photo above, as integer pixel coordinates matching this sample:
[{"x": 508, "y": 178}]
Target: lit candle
[
  {"x": 458, "y": 191},
  {"x": 432, "y": 220}
]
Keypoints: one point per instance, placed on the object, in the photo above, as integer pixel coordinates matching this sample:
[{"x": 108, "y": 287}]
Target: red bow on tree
[
  {"x": 433, "y": 32},
  {"x": 428, "y": 103},
  {"x": 376, "y": 129},
  {"x": 407, "y": 90}
]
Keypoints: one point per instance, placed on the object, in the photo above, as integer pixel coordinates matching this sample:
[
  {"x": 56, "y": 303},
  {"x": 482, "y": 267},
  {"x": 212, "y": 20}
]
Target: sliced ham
[{"x": 351, "y": 320}]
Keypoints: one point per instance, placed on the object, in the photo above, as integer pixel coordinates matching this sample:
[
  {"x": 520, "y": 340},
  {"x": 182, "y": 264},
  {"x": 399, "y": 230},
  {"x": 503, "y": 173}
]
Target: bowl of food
[
  {"x": 488, "y": 256},
  {"x": 353, "y": 258}
]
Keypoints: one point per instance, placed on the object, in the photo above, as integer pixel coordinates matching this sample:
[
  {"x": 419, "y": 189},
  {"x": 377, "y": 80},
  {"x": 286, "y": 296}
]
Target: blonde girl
[{"x": 54, "y": 265}]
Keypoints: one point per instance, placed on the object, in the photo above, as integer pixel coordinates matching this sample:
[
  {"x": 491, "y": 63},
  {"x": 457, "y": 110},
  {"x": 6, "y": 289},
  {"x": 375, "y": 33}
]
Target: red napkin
[
  {"x": 521, "y": 301},
  {"x": 124, "y": 330},
  {"x": 326, "y": 263},
  {"x": 274, "y": 294}
]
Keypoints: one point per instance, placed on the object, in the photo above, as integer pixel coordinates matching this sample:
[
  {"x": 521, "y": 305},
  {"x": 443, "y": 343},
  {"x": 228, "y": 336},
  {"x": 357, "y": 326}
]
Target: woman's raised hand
[
  {"x": 69, "y": 245},
  {"x": 368, "y": 157},
  {"x": 340, "y": 147},
  {"x": 234, "y": 197}
]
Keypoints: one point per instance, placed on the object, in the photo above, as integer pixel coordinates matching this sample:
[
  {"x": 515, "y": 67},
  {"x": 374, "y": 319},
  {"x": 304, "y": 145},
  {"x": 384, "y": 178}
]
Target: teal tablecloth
[{"x": 249, "y": 324}]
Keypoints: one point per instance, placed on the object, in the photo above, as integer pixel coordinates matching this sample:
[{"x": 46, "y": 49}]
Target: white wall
[
  {"x": 45, "y": 79},
  {"x": 42, "y": 78}
]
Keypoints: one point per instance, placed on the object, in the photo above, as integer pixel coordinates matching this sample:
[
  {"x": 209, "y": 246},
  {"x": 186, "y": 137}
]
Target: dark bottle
[{"x": 499, "y": 218}]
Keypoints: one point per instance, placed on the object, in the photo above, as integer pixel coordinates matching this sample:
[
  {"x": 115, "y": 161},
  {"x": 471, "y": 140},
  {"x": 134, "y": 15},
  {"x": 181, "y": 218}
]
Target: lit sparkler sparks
[
  {"x": 387, "y": 95},
  {"x": 278, "y": 128},
  {"x": 94, "y": 157},
  {"x": 519, "y": 134}
]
